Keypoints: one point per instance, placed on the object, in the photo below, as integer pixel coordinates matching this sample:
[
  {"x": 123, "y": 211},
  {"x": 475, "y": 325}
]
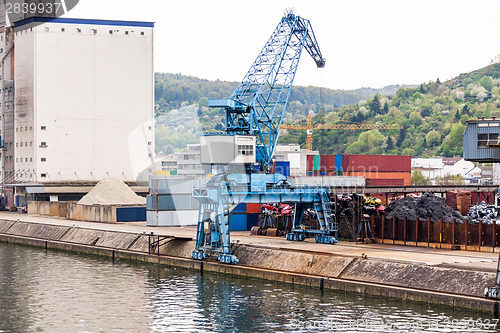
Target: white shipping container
[{"x": 175, "y": 218}]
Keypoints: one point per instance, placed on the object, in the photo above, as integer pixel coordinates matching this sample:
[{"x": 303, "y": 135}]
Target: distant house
[{"x": 442, "y": 167}]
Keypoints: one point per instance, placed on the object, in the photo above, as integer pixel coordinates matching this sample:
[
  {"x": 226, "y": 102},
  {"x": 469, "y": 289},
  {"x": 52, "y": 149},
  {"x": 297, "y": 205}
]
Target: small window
[
  {"x": 26, "y": 128},
  {"x": 43, "y": 128},
  {"x": 31, "y": 159},
  {"x": 149, "y": 127},
  {"x": 149, "y": 155},
  {"x": 26, "y": 159},
  {"x": 63, "y": 30},
  {"x": 21, "y": 144},
  {"x": 31, "y": 144},
  {"x": 20, "y": 129},
  {"x": 142, "y": 33},
  {"x": 149, "y": 143},
  {"x": 47, "y": 29},
  {"x": 44, "y": 159},
  {"x": 17, "y": 144},
  {"x": 78, "y": 30},
  {"x": 110, "y": 32},
  {"x": 43, "y": 175},
  {"x": 126, "y": 32}
]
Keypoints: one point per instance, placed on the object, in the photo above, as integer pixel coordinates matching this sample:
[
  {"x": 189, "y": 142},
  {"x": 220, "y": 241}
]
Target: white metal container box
[{"x": 226, "y": 149}]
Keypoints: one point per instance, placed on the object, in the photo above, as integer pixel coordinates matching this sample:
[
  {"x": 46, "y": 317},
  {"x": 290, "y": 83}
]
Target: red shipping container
[
  {"x": 406, "y": 176},
  {"x": 327, "y": 163},
  {"x": 253, "y": 208},
  {"x": 385, "y": 182},
  {"x": 487, "y": 197},
  {"x": 310, "y": 163},
  {"x": 376, "y": 163}
]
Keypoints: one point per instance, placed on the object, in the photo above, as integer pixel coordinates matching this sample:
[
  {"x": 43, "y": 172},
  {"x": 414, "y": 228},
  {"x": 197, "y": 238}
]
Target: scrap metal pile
[
  {"x": 274, "y": 220},
  {"x": 483, "y": 212},
  {"x": 428, "y": 205}
]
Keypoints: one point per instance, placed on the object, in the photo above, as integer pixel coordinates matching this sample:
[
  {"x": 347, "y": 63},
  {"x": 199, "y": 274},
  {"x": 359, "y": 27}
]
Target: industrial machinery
[
  {"x": 482, "y": 144},
  {"x": 351, "y": 126},
  {"x": 254, "y": 114}
]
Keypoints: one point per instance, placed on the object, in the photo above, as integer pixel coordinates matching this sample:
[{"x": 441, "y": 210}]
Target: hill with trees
[
  {"x": 182, "y": 111},
  {"x": 432, "y": 114}
]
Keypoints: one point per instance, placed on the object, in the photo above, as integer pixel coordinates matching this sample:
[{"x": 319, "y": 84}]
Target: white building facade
[{"x": 83, "y": 101}]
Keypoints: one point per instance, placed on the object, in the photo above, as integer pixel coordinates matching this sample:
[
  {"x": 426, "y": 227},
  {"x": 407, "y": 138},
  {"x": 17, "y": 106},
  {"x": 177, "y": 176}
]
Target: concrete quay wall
[{"x": 408, "y": 281}]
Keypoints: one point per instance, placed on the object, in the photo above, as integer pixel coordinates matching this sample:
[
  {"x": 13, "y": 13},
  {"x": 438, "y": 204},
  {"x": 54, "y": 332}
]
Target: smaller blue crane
[{"x": 254, "y": 114}]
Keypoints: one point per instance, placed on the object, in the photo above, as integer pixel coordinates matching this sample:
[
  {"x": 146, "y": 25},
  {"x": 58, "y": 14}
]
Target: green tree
[
  {"x": 390, "y": 144},
  {"x": 375, "y": 104},
  {"x": 417, "y": 178},
  {"x": 487, "y": 83}
]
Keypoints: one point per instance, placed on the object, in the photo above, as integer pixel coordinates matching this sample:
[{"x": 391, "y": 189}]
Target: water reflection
[{"x": 49, "y": 291}]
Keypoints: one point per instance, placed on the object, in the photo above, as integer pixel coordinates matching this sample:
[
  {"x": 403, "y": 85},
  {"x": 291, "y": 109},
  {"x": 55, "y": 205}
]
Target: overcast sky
[{"x": 366, "y": 43}]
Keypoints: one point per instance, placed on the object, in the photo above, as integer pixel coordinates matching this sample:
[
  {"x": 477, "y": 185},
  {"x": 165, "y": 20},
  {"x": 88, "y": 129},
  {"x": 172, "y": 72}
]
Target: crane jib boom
[
  {"x": 254, "y": 115},
  {"x": 257, "y": 106}
]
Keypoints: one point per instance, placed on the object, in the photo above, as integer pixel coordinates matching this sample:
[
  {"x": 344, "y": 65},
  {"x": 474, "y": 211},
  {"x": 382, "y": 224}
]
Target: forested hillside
[
  {"x": 432, "y": 115},
  {"x": 182, "y": 113}
]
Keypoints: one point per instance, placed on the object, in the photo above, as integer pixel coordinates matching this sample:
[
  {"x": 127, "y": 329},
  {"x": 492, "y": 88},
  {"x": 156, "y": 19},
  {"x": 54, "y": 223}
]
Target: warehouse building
[{"x": 77, "y": 103}]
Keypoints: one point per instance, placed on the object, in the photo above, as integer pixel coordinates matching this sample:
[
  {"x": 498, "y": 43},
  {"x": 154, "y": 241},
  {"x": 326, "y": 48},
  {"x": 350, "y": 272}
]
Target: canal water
[{"x": 52, "y": 291}]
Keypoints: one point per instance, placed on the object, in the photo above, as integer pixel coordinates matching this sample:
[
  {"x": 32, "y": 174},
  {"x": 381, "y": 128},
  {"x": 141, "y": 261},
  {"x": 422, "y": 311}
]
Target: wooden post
[
  {"x": 440, "y": 232},
  {"x": 383, "y": 228},
  {"x": 494, "y": 232},
  {"x": 404, "y": 231},
  {"x": 416, "y": 231},
  {"x": 393, "y": 230},
  {"x": 466, "y": 233},
  {"x": 428, "y": 232},
  {"x": 453, "y": 231},
  {"x": 480, "y": 234}
]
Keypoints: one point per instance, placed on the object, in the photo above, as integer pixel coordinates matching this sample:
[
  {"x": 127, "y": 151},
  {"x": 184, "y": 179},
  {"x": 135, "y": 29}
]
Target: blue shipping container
[
  {"x": 238, "y": 222},
  {"x": 130, "y": 214},
  {"x": 283, "y": 167},
  {"x": 252, "y": 220},
  {"x": 338, "y": 163},
  {"x": 323, "y": 173},
  {"x": 241, "y": 208}
]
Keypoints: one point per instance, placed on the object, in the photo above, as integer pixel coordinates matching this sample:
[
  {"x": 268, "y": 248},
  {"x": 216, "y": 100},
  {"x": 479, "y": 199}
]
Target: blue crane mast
[{"x": 254, "y": 113}]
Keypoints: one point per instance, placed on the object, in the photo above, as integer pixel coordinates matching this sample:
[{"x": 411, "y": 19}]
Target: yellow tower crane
[{"x": 351, "y": 126}]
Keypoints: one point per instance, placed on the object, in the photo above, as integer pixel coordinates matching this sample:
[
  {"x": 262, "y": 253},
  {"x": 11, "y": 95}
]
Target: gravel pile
[
  {"x": 112, "y": 191},
  {"x": 428, "y": 205}
]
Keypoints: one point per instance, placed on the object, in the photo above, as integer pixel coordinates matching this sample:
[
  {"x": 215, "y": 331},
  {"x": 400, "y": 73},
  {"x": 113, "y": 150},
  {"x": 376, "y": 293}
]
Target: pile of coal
[
  {"x": 428, "y": 205},
  {"x": 483, "y": 212}
]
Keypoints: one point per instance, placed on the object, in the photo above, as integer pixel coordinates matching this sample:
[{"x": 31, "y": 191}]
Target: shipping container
[
  {"x": 406, "y": 176},
  {"x": 376, "y": 163},
  {"x": 171, "y": 202},
  {"x": 282, "y": 167},
  {"x": 240, "y": 208},
  {"x": 238, "y": 221},
  {"x": 322, "y": 173},
  {"x": 385, "y": 182},
  {"x": 317, "y": 163},
  {"x": 130, "y": 214},
  {"x": 173, "y": 218},
  {"x": 309, "y": 173},
  {"x": 338, "y": 163},
  {"x": 253, "y": 208},
  {"x": 252, "y": 220},
  {"x": 327, "y": 163},
  {"x": 310, "y": 163},
  {"x": 335, "y": 181}
]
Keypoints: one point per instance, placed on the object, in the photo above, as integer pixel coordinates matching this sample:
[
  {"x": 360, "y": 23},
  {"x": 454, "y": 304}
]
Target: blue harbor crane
[{"x": 253, "y": 117}]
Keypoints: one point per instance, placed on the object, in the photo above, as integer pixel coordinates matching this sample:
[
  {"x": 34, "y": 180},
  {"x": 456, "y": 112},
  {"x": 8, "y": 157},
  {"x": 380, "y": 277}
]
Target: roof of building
[
  {"x": 83, "y": 21},
  {"x": 451, "y": 160}
]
